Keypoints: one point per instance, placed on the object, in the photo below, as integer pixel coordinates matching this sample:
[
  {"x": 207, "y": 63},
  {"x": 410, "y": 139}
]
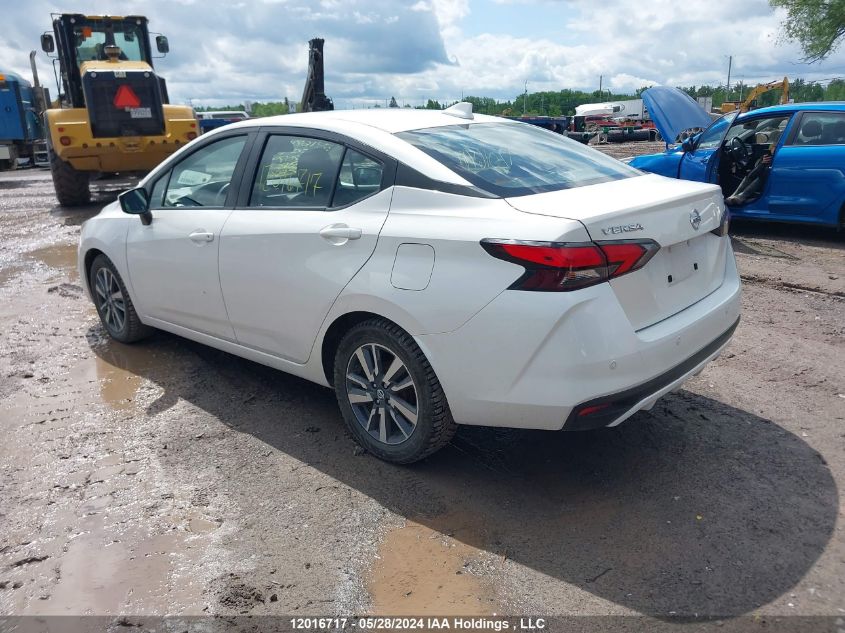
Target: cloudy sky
[{"x": 228, "y": 51}]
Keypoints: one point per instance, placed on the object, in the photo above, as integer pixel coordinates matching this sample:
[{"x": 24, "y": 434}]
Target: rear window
[{"x": 516, "y": 159}]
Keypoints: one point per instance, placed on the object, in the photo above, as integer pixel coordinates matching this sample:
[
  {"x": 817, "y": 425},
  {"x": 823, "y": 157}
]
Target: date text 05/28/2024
[{"x": 418, "y": 623}]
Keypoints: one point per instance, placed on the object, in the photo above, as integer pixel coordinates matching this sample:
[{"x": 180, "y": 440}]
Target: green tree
[
  {"x": 817, "y": 25},
  {"x": 835, "y": 91}
]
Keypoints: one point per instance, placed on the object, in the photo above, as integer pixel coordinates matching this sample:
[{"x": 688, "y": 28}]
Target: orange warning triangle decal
[{"x": 125, "y": 97}]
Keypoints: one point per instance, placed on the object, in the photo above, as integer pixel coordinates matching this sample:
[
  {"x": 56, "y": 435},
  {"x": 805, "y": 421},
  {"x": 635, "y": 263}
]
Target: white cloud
[{"x": 228, "y": 52}]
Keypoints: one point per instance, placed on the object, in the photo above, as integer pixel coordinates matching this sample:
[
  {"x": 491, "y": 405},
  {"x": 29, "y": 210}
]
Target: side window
[
  {"x": 157, "y": 196},
  {"x": 202, "y": 179},
  {"x": 360, "y": 176},
  {"x": 296, "y": 171},
  {"x": 821, "y": 128},
  {"x": 766, "y": 131}
]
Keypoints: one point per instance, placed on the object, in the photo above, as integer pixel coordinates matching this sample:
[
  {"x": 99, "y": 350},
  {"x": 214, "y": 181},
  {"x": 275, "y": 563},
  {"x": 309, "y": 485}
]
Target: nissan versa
[{"x": 435, "y": 268}]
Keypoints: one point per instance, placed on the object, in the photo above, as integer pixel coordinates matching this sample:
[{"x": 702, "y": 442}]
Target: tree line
[{"x": 563, "y": 102}]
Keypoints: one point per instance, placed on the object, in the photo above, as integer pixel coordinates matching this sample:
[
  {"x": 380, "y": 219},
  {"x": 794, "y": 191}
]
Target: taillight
[
  {"x": 191, "y": 136},
  {"x": 724, "y": 223},
  {"x": 65, "y": 140},
  {"x": 563, "y": 266},
  {"x": 625, "y": 256}
]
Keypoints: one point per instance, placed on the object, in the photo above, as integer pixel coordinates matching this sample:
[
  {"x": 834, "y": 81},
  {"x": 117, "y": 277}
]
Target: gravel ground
[{"x": 170, "y": 478}]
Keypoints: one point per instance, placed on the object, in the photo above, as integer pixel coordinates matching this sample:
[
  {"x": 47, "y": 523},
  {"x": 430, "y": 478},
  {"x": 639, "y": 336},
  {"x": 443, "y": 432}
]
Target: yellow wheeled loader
[{"x": 112, "y": 114}]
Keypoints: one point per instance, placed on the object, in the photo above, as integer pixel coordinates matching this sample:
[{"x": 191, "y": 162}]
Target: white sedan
[{"x": 435, "y": 268}]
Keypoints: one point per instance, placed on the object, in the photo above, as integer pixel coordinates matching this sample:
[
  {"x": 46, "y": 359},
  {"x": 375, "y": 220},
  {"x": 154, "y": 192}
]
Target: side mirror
[
  {"x": 162, "y": 44},
  {"x": 688, "y": 145},
  {"x": 47, "y": 43},
  {"x": 136, "y": 202}
]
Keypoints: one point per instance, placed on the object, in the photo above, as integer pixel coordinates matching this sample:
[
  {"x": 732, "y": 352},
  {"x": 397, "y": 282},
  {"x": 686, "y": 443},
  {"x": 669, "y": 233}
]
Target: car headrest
[
  {"x": 315, "y": 169},
  {"x": 811, "y": 128},
  {"x": 836, "y": 131}
]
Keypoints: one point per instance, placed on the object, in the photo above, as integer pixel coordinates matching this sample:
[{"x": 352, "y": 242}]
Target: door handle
[
  {"x": 201, "y": 237},
  {"x": 335, "y": 232}
]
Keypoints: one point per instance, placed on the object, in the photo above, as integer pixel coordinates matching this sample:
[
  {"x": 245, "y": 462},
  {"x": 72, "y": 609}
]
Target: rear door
[
  {"x": 308, "y": 216},
  {"x": 173, "y": 260},
  {"x": 808, "y": 172}
]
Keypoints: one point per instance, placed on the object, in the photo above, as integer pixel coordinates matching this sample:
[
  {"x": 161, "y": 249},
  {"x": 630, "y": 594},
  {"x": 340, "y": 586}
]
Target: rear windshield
[{"x": 516, "y": 159}]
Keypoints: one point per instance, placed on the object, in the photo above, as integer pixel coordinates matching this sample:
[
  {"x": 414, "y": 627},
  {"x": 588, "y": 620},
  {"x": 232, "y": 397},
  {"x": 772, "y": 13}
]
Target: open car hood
[{"x": 674, "y": 111}]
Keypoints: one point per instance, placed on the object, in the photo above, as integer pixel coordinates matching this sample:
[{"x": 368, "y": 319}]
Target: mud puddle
[
  {"x": 117, "y": 370},
  {"x": 422, "y": 570},
  {"x": 8, "y": 273},
  {"x": 95, "y": 554},
  {"x": 61, "y": 257}
]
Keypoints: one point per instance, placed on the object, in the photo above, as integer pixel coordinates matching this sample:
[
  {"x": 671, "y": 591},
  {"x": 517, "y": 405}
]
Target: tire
[
  {"x": 118, "y": 316},
  {"x": 71, "y": 185},
  {"x": 399, "y": 442}
]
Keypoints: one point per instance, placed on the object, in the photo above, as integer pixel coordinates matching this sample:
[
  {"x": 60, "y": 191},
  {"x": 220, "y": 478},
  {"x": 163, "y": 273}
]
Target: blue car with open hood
[{"x": 783, "y": 163}]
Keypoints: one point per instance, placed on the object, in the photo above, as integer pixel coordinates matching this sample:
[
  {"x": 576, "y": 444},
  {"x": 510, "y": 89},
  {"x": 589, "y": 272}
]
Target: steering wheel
[
  {"x": 187, "y": 201},
  {"x": 739, "y": 151},
  {"x": 220, "y": 197}
]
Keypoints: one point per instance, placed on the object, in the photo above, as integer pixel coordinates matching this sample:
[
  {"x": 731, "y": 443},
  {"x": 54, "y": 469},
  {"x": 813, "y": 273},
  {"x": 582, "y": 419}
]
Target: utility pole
[
  {"x": 600, "y": 80},
  {"x": 525, "y": 98},
  {"x": 728, "y": 89}
]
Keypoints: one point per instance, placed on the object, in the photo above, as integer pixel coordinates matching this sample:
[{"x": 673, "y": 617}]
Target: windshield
[
  {"x": 91, "y": 39},
  {"x": 516, "y": 159}
]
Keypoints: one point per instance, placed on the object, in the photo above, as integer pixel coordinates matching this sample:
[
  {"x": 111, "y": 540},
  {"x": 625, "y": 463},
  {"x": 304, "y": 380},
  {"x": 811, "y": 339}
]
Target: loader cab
[{"x": 80, "y": 39}]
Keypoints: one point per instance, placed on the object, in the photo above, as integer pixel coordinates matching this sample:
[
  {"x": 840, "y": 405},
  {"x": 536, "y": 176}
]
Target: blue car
[{"x": 783, "y": 163}]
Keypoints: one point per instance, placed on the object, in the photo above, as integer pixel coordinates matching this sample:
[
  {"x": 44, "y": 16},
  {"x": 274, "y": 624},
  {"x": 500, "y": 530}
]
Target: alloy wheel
[
  {"x": 110, "y": 300},
  {"x": 382, "y": 394}
]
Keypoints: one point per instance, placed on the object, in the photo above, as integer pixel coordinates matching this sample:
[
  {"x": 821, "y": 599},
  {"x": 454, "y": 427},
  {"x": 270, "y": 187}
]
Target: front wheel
[
  {"x": 390, "y": 398},
  {"x": 71, "y": 185},
  {"x": 116, "y": 310}
]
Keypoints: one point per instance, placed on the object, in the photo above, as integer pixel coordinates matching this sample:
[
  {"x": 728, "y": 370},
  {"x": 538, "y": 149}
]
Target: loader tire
[{"x": 71, "y": 185}]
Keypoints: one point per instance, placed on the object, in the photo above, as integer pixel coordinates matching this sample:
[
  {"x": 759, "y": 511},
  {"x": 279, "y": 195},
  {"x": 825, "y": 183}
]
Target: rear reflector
[
  {"x": 593, "y": 409},
  {"x": 125, "y": 97},
  {"x": 564, "y": 266}
]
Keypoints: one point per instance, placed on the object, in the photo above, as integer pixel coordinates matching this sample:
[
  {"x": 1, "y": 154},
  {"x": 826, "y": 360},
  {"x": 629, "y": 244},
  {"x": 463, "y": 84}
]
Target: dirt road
[{"x": 169, "y": 478}]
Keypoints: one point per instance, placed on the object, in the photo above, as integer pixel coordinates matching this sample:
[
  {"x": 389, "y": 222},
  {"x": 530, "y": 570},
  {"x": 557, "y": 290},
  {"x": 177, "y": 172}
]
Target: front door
[
  {"x": 173, "y": 260},
  {"x": 697, "y": 163},
  {"x": 308, "y": 223}
]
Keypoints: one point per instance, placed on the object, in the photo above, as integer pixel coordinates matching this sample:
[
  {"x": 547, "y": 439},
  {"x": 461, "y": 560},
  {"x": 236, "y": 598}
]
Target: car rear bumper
[
  {"x": 537, "y": 360},
  {"x": 615, "y": 408}
]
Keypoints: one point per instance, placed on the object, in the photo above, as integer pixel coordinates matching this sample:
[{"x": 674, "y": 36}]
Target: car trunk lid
[{"x": 678, "y": 215}]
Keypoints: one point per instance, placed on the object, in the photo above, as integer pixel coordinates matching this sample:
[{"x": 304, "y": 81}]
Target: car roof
[
  {"x": 820, "y": 106},
  {"x": 377, "y": 128},
  {"x": 390, "y": 120}
]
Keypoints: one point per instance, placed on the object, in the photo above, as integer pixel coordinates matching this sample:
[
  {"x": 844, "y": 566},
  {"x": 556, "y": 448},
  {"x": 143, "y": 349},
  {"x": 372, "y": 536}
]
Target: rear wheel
[
  {"x": 117, "y": 313},
  {"x": 71, "y": 185},
  {"x": 390, "y": 398}
]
